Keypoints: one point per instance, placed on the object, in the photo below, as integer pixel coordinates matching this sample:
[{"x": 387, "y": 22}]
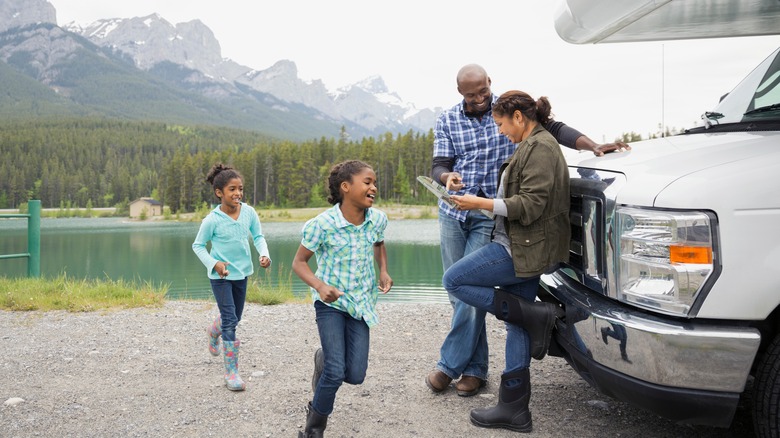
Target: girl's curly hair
[{"x": 342, "y": 172}]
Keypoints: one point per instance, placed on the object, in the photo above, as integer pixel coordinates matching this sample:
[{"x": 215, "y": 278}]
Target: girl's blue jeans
[
  {"x": 344, "y": 342},
  {"x": 473, "y": 279},
  {"x": 230, "y": 296}
]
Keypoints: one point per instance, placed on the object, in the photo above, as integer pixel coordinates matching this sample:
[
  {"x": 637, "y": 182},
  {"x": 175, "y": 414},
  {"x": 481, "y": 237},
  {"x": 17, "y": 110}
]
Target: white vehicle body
[{"x": 672, "y": 293}]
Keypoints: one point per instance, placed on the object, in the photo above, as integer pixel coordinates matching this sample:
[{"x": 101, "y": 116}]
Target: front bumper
[{"x": 688, "y": 371}]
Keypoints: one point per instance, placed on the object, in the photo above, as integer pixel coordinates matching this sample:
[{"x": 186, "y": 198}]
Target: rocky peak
[
  {"x": 18, "y": 13},
  {"x": 281, "y": 70},
  {"x": 373, "y": 84},
  {"x": 152, "y": 39}
]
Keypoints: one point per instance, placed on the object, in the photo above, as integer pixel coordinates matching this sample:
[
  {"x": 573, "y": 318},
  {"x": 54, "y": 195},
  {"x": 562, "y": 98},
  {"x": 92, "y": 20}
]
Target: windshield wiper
[
  {"x": 711, "y": 118},
  {"x": 763, "y": 109}
]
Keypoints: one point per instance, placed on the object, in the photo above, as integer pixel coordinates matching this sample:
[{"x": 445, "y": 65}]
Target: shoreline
[{"x": 393, "y": 211}]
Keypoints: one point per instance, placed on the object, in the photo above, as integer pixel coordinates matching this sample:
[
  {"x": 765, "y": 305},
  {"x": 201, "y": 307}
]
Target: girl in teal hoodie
[{"x": 229, "y": 263}]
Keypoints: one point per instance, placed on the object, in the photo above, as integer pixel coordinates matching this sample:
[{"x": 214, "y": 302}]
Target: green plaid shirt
[{"x": 345, "y": 259}]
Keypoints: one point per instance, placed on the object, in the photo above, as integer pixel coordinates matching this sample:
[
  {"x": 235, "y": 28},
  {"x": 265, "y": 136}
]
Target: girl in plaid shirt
[{"x": 347, "y": 240}]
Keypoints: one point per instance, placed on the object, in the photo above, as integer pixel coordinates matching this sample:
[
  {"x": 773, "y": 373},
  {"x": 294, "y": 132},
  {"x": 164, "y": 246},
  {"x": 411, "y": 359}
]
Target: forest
[{"x": 91, "y": 163}]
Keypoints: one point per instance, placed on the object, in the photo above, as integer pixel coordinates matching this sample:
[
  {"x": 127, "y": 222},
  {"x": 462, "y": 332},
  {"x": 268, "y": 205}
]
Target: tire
[{"x": 766, "y": 393}]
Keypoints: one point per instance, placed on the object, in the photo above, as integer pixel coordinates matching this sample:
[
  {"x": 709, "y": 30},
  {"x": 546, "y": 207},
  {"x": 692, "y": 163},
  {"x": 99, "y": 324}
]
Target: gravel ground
[{"x": 147, "y": 372}]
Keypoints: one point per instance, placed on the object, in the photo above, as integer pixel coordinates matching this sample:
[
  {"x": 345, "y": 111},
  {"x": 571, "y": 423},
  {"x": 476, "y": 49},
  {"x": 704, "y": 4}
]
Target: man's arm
[
  {"x": 442, "y": 166},
  {"x": 586, "y": 144},
  {"x": 572, "y": 138},
  {"x": 442, "y": 171}
]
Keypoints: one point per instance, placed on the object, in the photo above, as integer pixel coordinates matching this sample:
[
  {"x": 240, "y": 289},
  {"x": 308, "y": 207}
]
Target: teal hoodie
[{"x": 229, "y": 242}]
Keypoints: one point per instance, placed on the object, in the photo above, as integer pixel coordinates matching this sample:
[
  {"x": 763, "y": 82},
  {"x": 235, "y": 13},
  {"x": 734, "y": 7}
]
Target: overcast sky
[{"x": 417, "y": 46}]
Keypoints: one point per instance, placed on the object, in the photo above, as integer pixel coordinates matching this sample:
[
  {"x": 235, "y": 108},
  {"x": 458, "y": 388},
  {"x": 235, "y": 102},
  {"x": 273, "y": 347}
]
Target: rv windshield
[{"x": 755, "y": 99}]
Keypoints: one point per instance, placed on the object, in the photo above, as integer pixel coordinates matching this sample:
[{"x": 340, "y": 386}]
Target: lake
[{"x": 160, "y": 252}]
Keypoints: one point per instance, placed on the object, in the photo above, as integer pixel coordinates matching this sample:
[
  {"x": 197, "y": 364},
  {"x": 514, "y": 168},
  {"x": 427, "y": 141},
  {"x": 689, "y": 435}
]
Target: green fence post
[{"x": 34, "y": 239}]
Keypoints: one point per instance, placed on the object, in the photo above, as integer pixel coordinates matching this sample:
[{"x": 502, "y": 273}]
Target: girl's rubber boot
[
  {"x": 214, "y": 331},
  {"x": 315, "y": 424},
  {"x": 511, "y": 412},
  {"x": 230, "y": 353}
]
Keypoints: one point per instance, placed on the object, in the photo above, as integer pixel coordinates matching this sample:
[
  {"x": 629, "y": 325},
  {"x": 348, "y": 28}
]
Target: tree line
[{"x": 91, "y": 163}]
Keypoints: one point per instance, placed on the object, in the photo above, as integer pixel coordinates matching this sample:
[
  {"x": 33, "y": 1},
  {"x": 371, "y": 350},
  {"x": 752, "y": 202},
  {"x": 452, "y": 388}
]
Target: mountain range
[{"x": 145, "y": 68}]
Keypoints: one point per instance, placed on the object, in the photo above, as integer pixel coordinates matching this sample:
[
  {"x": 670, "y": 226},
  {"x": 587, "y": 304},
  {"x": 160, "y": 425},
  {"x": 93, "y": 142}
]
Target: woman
[{"x": 531, "y": 235}]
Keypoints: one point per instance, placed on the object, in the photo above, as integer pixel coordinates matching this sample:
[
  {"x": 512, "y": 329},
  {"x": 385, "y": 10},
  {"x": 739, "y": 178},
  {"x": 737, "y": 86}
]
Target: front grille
[
  {"x": 576, "y": 244},
  {"x": 587, "y": 246}
]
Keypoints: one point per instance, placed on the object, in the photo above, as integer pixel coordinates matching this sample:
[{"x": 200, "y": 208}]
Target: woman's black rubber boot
[{"x": 511, "y": 412}]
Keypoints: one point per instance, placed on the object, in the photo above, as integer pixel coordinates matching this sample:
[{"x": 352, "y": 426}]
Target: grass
[
  {"x": 260, "y": 291},
  {"x": 74, "y": 295}
]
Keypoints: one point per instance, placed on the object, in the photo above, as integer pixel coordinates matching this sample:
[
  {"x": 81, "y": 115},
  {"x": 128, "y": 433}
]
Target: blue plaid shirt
[
  {"x": 479, "y": 147},
  {"x": 345, "y": 259}
]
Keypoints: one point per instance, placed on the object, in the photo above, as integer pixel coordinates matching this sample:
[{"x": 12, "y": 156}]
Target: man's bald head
[
  {"x": 471, "y": 72},
  {"x": 474, "y": 86}
]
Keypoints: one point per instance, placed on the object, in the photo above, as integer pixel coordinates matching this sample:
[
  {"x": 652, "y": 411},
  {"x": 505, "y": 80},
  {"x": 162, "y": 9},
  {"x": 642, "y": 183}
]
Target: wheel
[{"x": 766, "y": 393}]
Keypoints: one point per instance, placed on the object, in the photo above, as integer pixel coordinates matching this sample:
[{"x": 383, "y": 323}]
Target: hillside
[
  {"x": 148, "y": 69},
  {"x": 71, "y": 76}
]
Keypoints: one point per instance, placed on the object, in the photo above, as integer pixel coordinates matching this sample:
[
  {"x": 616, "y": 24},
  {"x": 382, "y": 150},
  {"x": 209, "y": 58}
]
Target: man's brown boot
[
  {"x": 438, "y": 381},
  {"x": 469, "y": 385}
]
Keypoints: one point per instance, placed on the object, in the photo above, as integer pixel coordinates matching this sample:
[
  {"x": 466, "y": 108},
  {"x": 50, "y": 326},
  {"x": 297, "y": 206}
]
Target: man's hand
[
  {"x": 606, "y": 148},
  {"x": 454, "y": 181}
]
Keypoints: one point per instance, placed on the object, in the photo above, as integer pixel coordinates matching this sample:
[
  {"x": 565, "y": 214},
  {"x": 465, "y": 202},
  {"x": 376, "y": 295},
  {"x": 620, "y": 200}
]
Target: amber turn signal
[{"x": 690, "y": 254}]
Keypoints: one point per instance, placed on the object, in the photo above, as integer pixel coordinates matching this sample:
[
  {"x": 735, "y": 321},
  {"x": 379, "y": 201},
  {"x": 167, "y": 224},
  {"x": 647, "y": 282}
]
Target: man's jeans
[
  {"x": 472, "y": 280},
  {"x": 465, "y": 349},
  {"x": 230, "y": 296},
  {"x": 344, "y": 342}
]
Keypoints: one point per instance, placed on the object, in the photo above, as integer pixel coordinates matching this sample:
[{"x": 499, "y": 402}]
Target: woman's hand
[{"x": 471, "y": 202}]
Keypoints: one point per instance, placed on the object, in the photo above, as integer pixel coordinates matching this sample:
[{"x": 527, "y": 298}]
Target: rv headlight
[{"x": 665, "y": 258}]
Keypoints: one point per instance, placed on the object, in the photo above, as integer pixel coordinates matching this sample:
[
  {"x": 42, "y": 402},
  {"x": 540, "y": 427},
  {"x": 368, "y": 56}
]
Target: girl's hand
[
  {"x": 385, "y": 282},
  {"x": 471, "y": 202},
  {"x": 265, "y": 262},
  {"x": 329, "y": 294},
  {"x": 221, "y": 268}
]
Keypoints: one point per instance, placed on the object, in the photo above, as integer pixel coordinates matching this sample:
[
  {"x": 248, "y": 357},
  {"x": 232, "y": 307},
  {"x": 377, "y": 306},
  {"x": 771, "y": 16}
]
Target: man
[{"x": 467, "y": 152}]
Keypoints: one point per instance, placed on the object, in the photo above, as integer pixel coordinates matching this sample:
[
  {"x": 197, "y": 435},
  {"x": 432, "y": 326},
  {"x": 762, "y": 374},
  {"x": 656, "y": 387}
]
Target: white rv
[{"x": 672, "y": 291}]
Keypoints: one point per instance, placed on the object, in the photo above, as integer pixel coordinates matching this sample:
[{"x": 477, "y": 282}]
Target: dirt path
[{"x": 147, "y": 372}]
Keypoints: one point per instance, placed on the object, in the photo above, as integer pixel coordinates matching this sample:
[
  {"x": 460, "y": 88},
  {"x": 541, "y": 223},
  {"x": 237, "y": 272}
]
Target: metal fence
[{"x": 33, "y": 254}]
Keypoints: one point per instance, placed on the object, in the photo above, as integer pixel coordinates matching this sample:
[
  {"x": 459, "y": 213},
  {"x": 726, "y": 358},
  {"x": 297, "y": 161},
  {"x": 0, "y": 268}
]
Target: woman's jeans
[
  {"x": 465, "y": 349},
  {"x": 472, "y": 280},
  {"x": 344, "y": 342},
  {"x": 230, "y": 296}
]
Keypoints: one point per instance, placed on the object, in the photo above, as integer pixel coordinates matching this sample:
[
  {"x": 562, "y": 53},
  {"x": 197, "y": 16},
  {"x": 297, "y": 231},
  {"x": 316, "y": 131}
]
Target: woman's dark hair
[
  {"x": 219, "y": 175},
  {"x": 342, "y": 172},
  {"x": 511, "y": 101}
]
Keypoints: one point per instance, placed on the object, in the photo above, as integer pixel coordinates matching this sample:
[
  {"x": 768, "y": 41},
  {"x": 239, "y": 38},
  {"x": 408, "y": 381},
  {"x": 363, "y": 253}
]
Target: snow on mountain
[{"x": 152, "y": 41}]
